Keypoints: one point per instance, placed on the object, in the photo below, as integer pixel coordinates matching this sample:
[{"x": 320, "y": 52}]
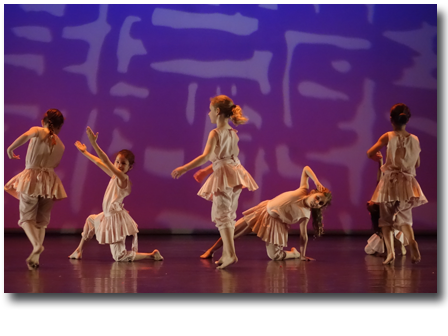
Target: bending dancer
[
  {"x": 398, "y": 191},
  {"x": 38, "y": 186},
  {"x": 271, "y": 220},
  {"x": 114, "y": 224},
  {"x": 223, "y": 187}
]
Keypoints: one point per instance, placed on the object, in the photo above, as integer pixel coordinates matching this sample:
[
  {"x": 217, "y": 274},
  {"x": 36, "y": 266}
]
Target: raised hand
[
  {"x": 320, "y": 187},
  {"x": 178, "y": 172},
  {"x": 81, "y": 147},
  {"x": 92, "y": 136}
]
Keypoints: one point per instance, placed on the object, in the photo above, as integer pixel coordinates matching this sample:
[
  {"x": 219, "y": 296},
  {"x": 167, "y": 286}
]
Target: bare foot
[
  {"x": 227, "y": 262},
  {"x": 295, "y": 252},
  {"x": 415, "y": 253},
  {"x": 305, "y": 258},
  {"x": 219, "y": 262},
  {"x": 33, "y": 260},
  {"x": 390, "y": 259},
  {"x": 76, "y": 255},
  {"x": 157, "y": 255},
  {"x": 207, "y": 254}
]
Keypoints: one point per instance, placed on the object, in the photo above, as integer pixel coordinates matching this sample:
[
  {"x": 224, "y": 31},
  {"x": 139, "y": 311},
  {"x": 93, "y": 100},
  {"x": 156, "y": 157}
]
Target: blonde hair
[{"x": 229, "y": 109}]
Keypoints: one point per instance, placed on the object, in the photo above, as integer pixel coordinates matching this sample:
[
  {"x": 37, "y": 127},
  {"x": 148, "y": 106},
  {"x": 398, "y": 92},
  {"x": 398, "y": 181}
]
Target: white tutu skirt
[
  {"x": 227, "y": 176},
  {"x": 114, "y": 227},
  {"x": 36, "y": 182},
  {"x": 269, "y": 229},
  {"x": 397, "y": 186}
]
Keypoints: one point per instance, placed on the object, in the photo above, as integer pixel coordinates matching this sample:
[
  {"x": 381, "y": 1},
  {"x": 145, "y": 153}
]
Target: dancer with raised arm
[
  {"x": 271, "y": 219},
  {"x": 114, "y": 224}
]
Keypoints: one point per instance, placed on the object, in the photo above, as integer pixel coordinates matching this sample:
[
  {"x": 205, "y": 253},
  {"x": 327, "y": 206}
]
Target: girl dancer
[
  {"x": 271, "y": 220},
  {"x": 375, "y": 244},
  {"x": 398, "y": 191},
  {"x": 114, "y": 223},
  {"x": 224, "y": 186},
  {"x": 38, "y": 185}
]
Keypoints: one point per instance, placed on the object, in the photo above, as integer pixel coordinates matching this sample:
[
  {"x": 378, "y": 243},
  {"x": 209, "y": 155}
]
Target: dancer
[
  {"x": 271, "y": 219},
  {"x": 38, "y": 186},
  {"x": 224, "y": 186},
  {"x": 398, "y": 191},
  {"x": 114, "y": 223},
  {"x": 375, "y": 244}
]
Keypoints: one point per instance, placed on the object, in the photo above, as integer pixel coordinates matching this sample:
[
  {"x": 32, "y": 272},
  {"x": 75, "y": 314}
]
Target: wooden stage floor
[{"x": 341, "y": 266}]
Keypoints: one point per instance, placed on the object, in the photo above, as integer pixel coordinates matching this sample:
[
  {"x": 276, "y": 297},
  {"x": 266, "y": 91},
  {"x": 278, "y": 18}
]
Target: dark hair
[
  {"x": 54, "y": 119},
  {"x": 316, "y": 213},
  {"x": 229, "y": 109},
  {"x": 128, "y": 155},
  {"x": 400, "y": 114}
]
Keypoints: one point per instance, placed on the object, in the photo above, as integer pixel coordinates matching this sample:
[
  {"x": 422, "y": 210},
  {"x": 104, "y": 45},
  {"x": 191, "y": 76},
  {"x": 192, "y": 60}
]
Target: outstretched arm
[
  {"x": 105, "y": 159},
  {"x": 82, "y": 148},
  {"x": 200, "y": 160},
  {"x": 374, "y": 152},
  {"x": 21, "y": 140},
  {"x": 307, "y": 173}
]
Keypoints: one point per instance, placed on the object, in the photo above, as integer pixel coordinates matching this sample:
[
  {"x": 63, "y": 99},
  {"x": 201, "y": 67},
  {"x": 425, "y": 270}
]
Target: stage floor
[{"x": 341, "y": 266}]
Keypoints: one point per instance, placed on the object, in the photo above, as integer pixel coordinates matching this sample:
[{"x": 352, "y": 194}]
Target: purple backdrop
[{"x": 316, "y": 81}]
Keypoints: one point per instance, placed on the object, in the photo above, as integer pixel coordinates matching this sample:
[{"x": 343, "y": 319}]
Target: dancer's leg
[
  {"x": 224, "y": 208},
  {"x": 33, "y": 236},
  {"x": 404, "y": 222},
  {"x": 409, "y": 234},
  {"x": 241, "y": 229},
  {"x": 154, "y": 255},
  {"x": 44, "y": 207},
  {"x": 228, "y": 252},
  {"x": 388, "y": 236},
  {"x": 119, "y": 253},
  {"x": 28, "y": 212},
  {"x": 87, "y": 233},
  {"x": 276, "y": 252}
]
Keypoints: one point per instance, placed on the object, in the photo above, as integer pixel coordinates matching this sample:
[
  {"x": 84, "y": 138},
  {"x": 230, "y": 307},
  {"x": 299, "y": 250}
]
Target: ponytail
[
  {"x": 54, "y": 119},
  {"x": 237, "y": 116},
  {"x": 229, "y": 110}
]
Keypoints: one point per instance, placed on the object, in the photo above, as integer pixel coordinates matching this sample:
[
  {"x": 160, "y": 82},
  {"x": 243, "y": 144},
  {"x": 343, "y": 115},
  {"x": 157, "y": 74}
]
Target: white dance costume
[
  {"x": 398, "y": 191},
  {"x": 271, "y": 220},
  {"x": 38, "y": 185},
  {"x": 224, "y": 185},
  {"x": 114, "y": 224}
]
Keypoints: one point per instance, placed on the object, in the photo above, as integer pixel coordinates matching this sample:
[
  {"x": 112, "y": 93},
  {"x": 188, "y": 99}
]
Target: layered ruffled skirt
[
  {"x": 269, "y": 229},
  {"x": 398, "y": 186},
  {"x": 36, "y": 182},
  {"x": 113, "y": 227},
  {"x": 226, "y": 175}
]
